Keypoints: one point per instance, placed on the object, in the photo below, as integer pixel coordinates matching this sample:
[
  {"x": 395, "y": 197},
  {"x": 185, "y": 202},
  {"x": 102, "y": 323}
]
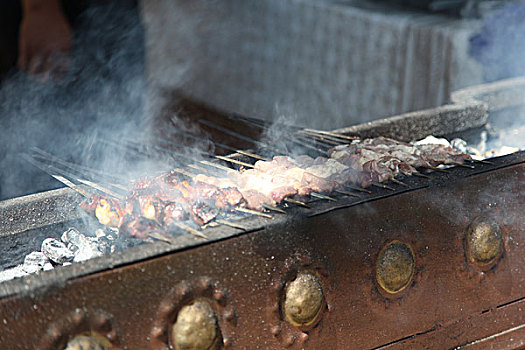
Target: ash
[
  {"x": 73, "y": 247},
  {"x": 490, "y": 144}
]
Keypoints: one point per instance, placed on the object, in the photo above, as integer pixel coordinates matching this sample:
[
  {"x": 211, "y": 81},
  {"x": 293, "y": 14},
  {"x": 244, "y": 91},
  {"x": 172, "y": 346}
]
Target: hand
[{"x": 44, "y": 40}]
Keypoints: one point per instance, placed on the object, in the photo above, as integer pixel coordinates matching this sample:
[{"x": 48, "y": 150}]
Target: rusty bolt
[
  {"x": 395, "y": 266},
  {"x": 484, "y": 241},
  {"x": 303, "y": 299},
  {"x": 92, "y": 342},
  {"x": 195, "y": 327}
]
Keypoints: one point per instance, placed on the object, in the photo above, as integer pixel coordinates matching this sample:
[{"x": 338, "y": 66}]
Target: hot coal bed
[{"x": 456, "y": 238}]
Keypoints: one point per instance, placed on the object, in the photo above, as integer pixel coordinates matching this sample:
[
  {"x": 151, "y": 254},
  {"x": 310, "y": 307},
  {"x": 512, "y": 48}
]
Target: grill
[{"x": 436, "y": 263}]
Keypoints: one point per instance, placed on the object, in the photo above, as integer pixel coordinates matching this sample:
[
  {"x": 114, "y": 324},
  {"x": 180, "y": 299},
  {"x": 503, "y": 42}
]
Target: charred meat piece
[
  {"x": 107, "y": 210},
  {"x": 140, "y": 227},
  {"x": 89, "y": 204},
  {"x": 203, "y": 212},
  {"x": 229, "y": 197},
  {"x": 174, "y": 212},
  {"x": 255, "y": 200}
]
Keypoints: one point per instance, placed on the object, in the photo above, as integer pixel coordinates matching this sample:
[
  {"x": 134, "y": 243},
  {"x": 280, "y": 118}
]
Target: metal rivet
[
  {"x": 79, "y": 316},
  {"x": 275, "y": 286},
  {"x": 196, "y": 327},
  {"x": 157, "y": 331},
  {"x": 167, "y": 308},
  {"x": 101, "y": 321},
  {"x": 229, "y": 313},
  {"x": 218, "y": 295},
  {"x": 484, "y": 241},
  {"x": 112, "y": 336},
  {"x": 183, "y": 290},
  {"x": 289, "y": 340},
  {"x": 303, "y": 299},
  {"x": 274, "y": 307},
  {"x": 302, "y": 337},
  {"x": 395, "y": 266},
  {"x": 227, "y": 342},
  {"x": 87, "y": 342},
  {"x": 275, "y": 330},
  {"x": 205, "y": 283}
]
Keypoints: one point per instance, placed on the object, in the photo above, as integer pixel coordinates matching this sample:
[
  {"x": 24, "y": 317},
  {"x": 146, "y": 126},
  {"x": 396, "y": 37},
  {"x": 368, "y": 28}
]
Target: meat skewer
[{"x": 169, "y": 200}]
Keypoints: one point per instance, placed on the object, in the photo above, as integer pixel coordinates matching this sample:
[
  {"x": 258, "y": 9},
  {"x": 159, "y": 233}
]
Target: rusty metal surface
[
  {"x": 438, "y": 121},
  {"x": 244, "y": 278},
  {"x": 497, "y": 95},
  {"x": 37, "y": 210}
]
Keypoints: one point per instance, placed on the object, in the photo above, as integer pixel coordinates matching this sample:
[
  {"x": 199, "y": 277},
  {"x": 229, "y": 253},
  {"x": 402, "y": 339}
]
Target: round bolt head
[
  {"x": 195, "y": 327},
  {"x": 81, "y": 342},
  {"x": 303, "y": 300},
  {"x": 395, "y": 267},
  {"x": 484, "y": 241}
]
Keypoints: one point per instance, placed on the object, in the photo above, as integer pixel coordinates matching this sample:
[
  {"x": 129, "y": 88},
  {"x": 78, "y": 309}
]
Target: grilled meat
[{"x": 159, "y": 203}]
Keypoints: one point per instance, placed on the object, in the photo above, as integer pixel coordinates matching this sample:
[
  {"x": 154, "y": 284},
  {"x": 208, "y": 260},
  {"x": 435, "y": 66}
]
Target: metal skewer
[
  {"x": 191, "y": 230},
  {"x": 479, "y": 161},
  {"x": 161, "y": 237},
  {"x": 239, "y": 136},
  {"x": 252, "y": 155},
  {"x": 464, "y": 165},
  {"x": 435, "y": 168},
  {"x": 347, "y": 193},
  {"x": 292, "y": 135},
  {"x": 235, "y": 161},
  {"x": 272, "y": 208},
  {"x": 71, "y": 185},
  {"x": 231, "y": 224},
  {"x": 54, "y": 172},
  {"x": 313, "y": 194},
  {"x": 75, "y": 167},
  {"x": 394, "y": 180},
  {"x": 380, "y": 185},
  {"x": 322, "y": 196},
  {"x": 102, "y": 189},
  {"x": 296, "y": 202},
  {"x": 360, "y": 189},
  {"x": 332, "y": 141},
  {"x": 351, "y": 138},
  {"x": 221, "y": 145},
  {"x": 417, "y": 173},
  {"x": 254, "y": 212}
]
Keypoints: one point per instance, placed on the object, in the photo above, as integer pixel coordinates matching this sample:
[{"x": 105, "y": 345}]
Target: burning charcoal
[
  {"x": 84, "y": 247},
  {"x": 72, "y": 247},
  {"x": 35, "y": 262},
  {"x": 87, "y": 251},
  {"x": 72, "y": 236},
  {"x": 203, "y": 212},
  {"x": 15, "y": 272},
  {"x": 459, "y": 145},
  {"x": 104, "y": 244},
  {"x": 56, "y": 251},
  {"x": 100, "y": 233}
]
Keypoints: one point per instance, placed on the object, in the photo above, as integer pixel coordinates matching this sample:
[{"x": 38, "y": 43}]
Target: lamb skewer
[{"x": 169, "y": 200}]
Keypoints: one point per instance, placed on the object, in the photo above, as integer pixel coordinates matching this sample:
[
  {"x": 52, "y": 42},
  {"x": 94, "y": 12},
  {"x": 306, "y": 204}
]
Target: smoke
[
  {"x": 499, "y": 48},
  {"x": 102, "y": 97},
  {"x": 279, "y": 135}
]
